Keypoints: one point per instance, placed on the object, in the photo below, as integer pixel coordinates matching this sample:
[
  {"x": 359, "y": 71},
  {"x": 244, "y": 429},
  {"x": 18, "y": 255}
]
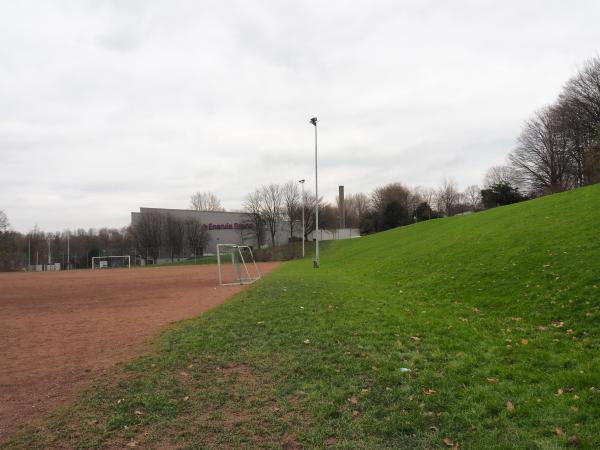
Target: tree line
[
  {"x": 76, "y": 248},
  {"x": 559, "y": 146},
  {"x": 155, "y": 231}
]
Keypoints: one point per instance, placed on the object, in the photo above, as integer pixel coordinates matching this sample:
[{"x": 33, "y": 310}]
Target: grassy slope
[{"x": 496, "y": 307}]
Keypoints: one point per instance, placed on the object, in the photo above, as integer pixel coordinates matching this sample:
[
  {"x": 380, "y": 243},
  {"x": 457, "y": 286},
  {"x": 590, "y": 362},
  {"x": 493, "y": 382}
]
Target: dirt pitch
[{"x": 61, "y": 330}]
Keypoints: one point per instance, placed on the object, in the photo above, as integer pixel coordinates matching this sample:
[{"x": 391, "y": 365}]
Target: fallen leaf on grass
[
  {"x": 428, "y": 391},
  {"x": 559, "y": 431},
  {"x": 569, "y": 331},
  {"x": 517, "y": 319},
  {"x": 450, "y": 443},
  {"x": 353, "y": 400},
  {"x": 307, "y": 341},
  {"x": 355, "y": 414},
  {"x": 132, "y": 444},
  {"x": 138, "y": 412},
  {"x": 492, "y": 380},
  {"x": 186, "y": 398},
  {"x": 572, "y": 440},
  {"x": 524, "y": 341},
  {"x": 510, "y": 406},
  {"x": 415, "y": 338}
]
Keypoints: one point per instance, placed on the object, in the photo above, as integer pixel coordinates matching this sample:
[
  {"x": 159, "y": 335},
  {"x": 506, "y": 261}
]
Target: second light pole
[{"x": 316, "y": 262}]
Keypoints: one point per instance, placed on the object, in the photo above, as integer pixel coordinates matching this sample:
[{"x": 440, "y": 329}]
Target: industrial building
[{"x": 233, "y": 228}]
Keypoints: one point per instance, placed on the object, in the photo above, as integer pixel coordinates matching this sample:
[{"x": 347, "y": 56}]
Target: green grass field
[{"x": 496, "y": 316}]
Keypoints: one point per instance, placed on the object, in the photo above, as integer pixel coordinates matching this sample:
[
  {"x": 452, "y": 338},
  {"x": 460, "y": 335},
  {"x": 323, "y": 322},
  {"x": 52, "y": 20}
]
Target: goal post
[
  {"x": 111, "y": 262},
  {"x": 236, "y": 265}
]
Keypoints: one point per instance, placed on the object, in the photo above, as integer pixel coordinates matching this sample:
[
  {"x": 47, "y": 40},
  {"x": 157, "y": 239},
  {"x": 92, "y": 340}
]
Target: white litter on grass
[{"x": 404, "y": 369}]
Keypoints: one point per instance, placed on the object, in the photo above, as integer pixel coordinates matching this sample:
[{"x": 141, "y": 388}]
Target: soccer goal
[
  {"x": 111, "y": 262},
  {"x": 236, "y": 265}
]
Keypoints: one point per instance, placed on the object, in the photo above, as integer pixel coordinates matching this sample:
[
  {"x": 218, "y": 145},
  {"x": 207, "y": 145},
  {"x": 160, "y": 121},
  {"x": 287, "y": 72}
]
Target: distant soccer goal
[
  {"x": 111, "y": 262},
  {"x": 236, "y": 265}
]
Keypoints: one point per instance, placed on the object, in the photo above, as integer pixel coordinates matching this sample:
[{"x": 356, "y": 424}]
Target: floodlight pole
[
  {"x": 316, "y": 262},
  {"x": 302, "y": 183}
]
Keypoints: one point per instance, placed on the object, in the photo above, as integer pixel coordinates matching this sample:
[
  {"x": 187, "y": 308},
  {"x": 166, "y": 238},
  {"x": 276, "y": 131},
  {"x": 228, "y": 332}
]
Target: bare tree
[
  {"x": 174, "y": 234},
  {"x": 197, "y": 236},
  {"x": 429, "y": 196},
  {"x": 11, "y": 243},
  {"x": 253, "y": 206},
  {"x": 413, "y": 201},
  {"x": 472, "y": 197},
  {"x": 328, "y": 218},
  {"x": 291, "y": 204},
  {"x": 502, "y": 175},
  {"x": 148, "y": 233},
  {"x": 357, "y": 206},
  {"x": 4, "y": 224},
  {"x": 591, "y": 163},
  {"x": 272, "y": 201},
  {"x": 448, "y": 197},
  {"x": 578, "y": 113},
  {"x": 205, "y": 201},
  {"x": 309, "y": 205},
  {"x": 541, "y": 156},
  {"x": 390, "y": 192}
]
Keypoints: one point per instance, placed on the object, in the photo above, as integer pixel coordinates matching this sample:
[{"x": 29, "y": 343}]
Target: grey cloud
[{"x": 108, "y": 105}]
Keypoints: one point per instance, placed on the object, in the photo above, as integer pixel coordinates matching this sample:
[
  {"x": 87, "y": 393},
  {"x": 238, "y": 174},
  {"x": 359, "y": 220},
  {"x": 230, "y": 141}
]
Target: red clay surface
[{"x": 61, "y": 330}]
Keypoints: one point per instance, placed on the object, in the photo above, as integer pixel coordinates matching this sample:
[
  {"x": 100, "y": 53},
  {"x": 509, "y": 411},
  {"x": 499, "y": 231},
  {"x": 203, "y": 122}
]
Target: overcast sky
[{"x": 106, "y": 106}]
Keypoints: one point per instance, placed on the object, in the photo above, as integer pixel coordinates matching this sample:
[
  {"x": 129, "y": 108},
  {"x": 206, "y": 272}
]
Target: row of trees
[
  {"x": 73, "y": 249},
  {"x": 277, "y": 208},
  {"x": 559, "y": 147},
  {"x": 396, "y": 204},
  {"x": 181, "y": 237}
]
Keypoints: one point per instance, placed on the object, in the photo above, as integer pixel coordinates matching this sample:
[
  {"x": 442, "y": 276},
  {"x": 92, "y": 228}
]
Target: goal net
[
  {"x": 236, "y": 265},
  {"x": 111, "y": 262}
]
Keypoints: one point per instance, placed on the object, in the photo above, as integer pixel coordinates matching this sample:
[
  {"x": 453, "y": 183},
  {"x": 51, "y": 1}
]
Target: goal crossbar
[
  {"x": 97, "y": 261},
  {"x": 245, "y": 270}
]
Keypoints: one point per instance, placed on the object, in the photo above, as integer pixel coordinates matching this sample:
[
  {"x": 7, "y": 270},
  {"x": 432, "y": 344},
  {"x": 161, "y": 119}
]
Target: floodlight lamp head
[
  {"x": 314, "y": 121},
  {"x": 301, "y": 181}
]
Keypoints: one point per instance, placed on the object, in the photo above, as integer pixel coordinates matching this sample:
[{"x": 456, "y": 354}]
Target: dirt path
[{"x": 60, "y": 330}]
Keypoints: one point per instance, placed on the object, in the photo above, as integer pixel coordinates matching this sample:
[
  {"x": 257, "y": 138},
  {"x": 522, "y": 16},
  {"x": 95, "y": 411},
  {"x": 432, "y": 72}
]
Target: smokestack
[{"x": 342, "y": 208}]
